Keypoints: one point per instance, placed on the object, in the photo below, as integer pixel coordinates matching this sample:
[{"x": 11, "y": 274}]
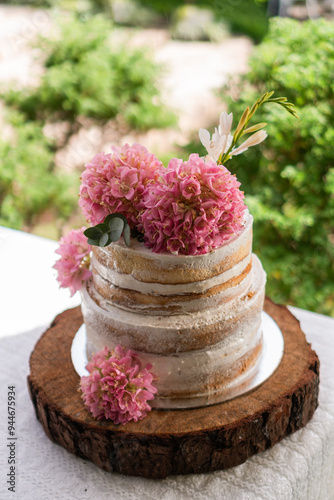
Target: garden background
[{"x": 79, "y": 76}]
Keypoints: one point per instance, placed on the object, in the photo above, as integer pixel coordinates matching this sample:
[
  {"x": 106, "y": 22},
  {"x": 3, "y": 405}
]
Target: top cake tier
[{"x": 139, "y": 280}]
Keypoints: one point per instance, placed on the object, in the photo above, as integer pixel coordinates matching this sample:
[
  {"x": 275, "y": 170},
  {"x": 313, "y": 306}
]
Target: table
[{"x": 301, "y": 467}]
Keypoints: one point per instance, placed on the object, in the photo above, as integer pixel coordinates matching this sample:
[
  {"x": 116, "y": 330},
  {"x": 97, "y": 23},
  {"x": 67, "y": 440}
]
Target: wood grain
[{"x": 174, "y": 441}]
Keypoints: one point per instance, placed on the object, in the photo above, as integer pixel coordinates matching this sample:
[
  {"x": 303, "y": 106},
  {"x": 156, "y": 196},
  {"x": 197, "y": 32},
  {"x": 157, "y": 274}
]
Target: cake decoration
[
  {"x": 115, "y": 182},
  {"x": 73, "y": 266},
  {"x": 193, "y": 208},
  {"x": 117, "y": 387},
  {"x": 181, "y": 293}
]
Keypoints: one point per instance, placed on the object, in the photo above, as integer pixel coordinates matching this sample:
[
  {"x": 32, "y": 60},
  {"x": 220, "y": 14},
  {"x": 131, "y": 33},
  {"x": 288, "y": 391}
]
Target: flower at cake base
[
  {"x": 115, "y": 183},
  {"x": 193, "y": 208},
  {"x": 117, "y": 387},
  {"x": 73, "y": 266}
]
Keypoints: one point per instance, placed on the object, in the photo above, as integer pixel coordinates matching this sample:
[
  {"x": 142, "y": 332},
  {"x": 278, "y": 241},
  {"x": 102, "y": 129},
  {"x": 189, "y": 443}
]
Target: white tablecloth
[{"x": 300, "y": 467}]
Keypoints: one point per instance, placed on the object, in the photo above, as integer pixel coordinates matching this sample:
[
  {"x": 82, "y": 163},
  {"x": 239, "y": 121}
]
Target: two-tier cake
[{"x": 172, "y": 295}]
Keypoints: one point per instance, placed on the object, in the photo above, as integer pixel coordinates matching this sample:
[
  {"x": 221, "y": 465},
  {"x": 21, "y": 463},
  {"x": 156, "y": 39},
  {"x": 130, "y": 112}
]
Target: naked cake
[{"x": 172, "y": 295}]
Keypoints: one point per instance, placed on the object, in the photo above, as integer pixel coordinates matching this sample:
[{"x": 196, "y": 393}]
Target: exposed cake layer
[
  {"x": 160, "y": 299},
  {"x": 131, "y": 291},
  {"x": 107, "y": 324},
  {"x": 128, "y": 266}
]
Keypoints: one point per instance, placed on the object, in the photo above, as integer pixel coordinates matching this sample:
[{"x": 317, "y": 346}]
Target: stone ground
[{"x": 194, "y": 71}]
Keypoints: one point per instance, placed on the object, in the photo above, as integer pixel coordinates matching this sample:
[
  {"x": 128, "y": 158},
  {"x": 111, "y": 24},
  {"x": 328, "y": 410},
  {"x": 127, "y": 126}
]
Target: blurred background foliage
[
  {"x": 29, "y": 183},
  {"x": 236, "y": 14},
  {"x": 288, "y": 182},
  {"x": 84, "y": 77}
]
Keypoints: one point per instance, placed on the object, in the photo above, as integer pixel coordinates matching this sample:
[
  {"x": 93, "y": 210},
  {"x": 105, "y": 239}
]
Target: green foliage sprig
[
  {"x": 112, "y": 228},
  {"x": 243, "y": 129}
]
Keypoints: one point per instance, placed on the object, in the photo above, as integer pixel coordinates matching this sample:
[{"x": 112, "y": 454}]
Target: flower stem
[{"x": 248, "y": 114}]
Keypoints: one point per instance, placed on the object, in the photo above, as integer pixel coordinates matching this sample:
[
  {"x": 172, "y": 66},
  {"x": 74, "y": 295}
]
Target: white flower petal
[
  {"x": 229, "y": 139},
  {"x": 214, "y": 146},
  {"x": 253, "y": 140},
  {"x": 225, "y": 123},
  {"x": 215, "y": 135},
  {"x": 204, "y": 137}
]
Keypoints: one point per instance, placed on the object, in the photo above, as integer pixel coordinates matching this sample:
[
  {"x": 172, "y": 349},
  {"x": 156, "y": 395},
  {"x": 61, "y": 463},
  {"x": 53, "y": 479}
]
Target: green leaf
[
  {"x": 93, "y": 242},
  {"x": 127, "y": 235},
  {"x": 113, "y": 216},
  {"x": 254, "y": 128},
  {"x": 116, "y": 226},
  {"x": 104, "y": 240},
  {"x": 109, "y": 231},
  {"x": 95, "y": 232}
]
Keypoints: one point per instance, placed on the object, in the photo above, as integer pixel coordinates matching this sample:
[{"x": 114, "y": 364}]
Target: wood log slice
[{"x": 174, "y": 441}]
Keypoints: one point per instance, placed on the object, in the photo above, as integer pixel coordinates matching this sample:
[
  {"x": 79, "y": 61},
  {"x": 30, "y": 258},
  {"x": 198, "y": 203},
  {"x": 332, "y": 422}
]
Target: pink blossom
[
  {"x": 192, "y": 208},
  {"x": 115, "y": 182},
  {"x": 117, "y": 387},
  {"x": 73, "y": 266}
]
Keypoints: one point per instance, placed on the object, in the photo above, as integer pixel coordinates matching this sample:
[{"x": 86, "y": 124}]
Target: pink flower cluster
[
  {"x": 117, "y": 387},
  {"x": 73, "y": 265},
  {"x": 194, "y": 207},
  {"x": 115, "y": 183}
]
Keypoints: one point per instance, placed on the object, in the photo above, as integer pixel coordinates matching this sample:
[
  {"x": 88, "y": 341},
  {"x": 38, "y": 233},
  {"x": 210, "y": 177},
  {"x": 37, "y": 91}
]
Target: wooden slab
[{"x": 174, "y": 441}]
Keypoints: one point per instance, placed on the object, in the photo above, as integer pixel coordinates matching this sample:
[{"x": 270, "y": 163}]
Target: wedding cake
[{"x": 172, "y": 295}]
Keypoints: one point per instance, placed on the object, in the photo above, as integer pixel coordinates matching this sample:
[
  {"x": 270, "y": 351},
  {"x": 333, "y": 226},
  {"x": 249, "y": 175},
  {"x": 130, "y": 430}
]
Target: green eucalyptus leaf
[
  {"x": 116, "y": 224},
  {"x": 122, "y": 216},
  {"x": 94, "y": 233},
  {"x": 104, "y": 240},
  {"x": 109, "y": 218},
  {"x": 116, "y": 229},
  {"x": 127, "y": 235},
  {"x": 109, "y": 231},
  {"x": 115, "y": 215},
  {"x": 93, "y": 242}
]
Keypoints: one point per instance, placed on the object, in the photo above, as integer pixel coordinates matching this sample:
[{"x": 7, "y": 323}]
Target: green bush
[
  {"x": 290, "y": 184},
  {"x": 86, "y": 76},
  {"x": 29, "y": 183},
  {"x": 244, "y": 16}
]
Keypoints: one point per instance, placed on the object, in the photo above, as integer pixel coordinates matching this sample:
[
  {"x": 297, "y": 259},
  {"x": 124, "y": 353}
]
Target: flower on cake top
[
  {"x": 115, "y": 182},
  {"x": 189, "y": 208},
  {"x": 73, "y": 265},
  {"x": 117, "y": 387},
  {"x": 222, "y": 139},
  {"x": 194, "y": 207}
]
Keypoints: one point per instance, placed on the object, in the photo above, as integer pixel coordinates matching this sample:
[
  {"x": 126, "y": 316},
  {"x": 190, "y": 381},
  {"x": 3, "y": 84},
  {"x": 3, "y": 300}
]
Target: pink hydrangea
[
  {"x": 117, "y": 387},
  {"x": 73, "y": 265},
  {"x": 194, "y": 207},
  {"x": 115, "y": 183}
]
